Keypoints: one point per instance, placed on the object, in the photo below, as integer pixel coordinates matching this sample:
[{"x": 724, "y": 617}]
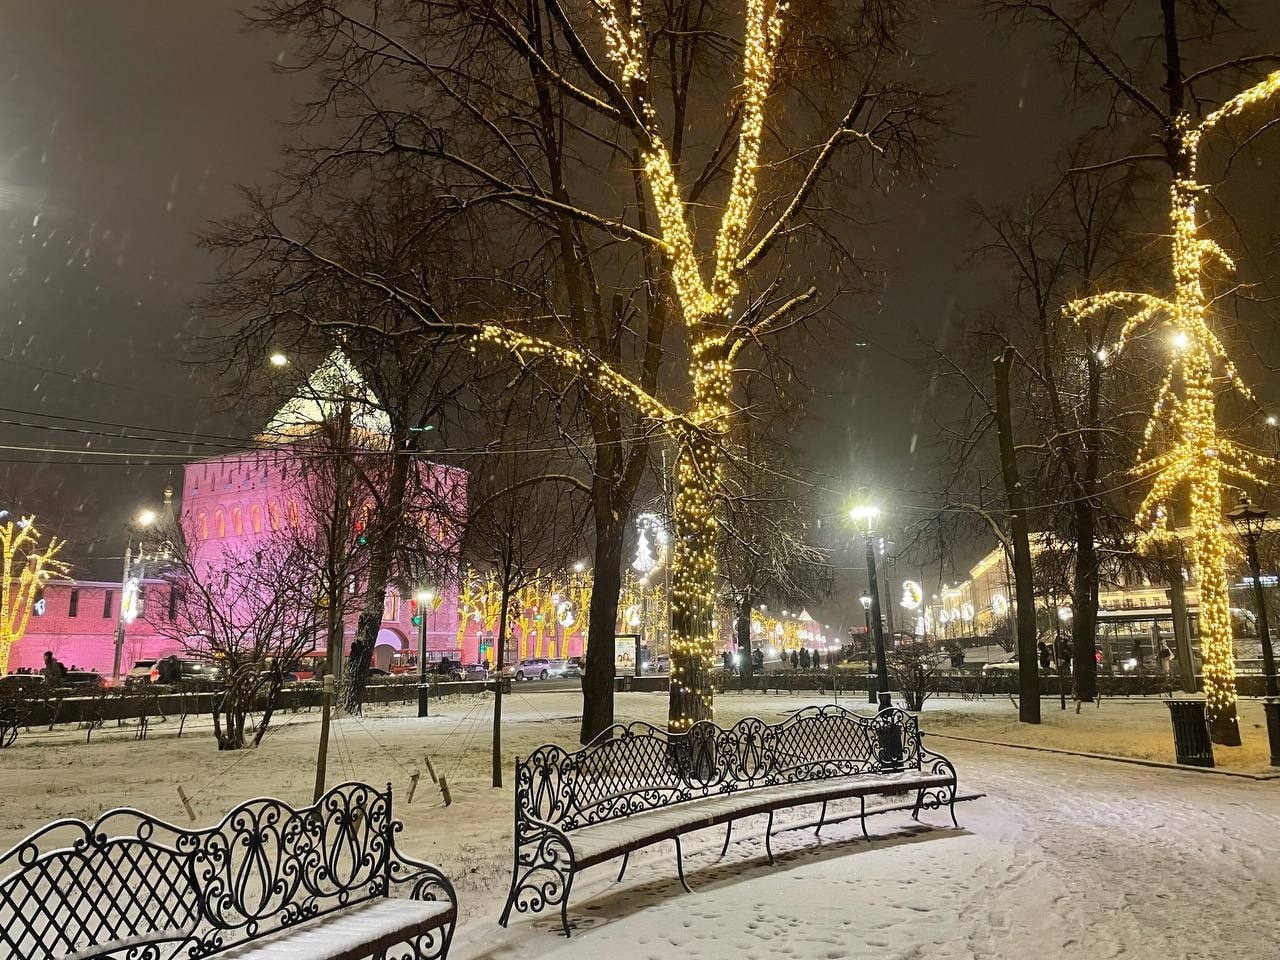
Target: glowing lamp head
[
  {"x": 579, "y": 567},
  {"x": 425, "y": 595},
  {"x": 1271, "y": 420},
  {"x": 278, "y": 359},
  {"x": 1180, "y": 340},
  {"x": 865, "y": 519},
  {"x": 1248, "y": 520},
  {"x": 865, "y": 600},
  {"x": 147, "y": 517}
]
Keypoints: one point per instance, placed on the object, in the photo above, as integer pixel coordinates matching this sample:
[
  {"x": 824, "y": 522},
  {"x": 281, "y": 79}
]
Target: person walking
[
  {"x": 1046, "y": 658},
  {"x": 795, "y": 660},
  {"x": 1166, "y": 657},
  {"x": 54, "y": 672}
]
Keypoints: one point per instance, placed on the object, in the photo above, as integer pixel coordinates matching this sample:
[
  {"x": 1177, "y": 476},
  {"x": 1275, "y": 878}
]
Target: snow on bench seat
[
  {"x": 604, "y": 841},
  {"x": 360, "y": 931}
]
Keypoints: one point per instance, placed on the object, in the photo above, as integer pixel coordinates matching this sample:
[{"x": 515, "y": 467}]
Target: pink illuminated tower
[{"x": 234, "y": 501}]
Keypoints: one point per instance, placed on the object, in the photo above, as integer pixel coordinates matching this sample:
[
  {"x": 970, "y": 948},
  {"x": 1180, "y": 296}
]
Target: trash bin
[
  {"x": 889, "y": 742},
  {"x": 873, "y": 688},
  {"x": 1191, "y": 743},
  {"x": 424, "y": 699}
]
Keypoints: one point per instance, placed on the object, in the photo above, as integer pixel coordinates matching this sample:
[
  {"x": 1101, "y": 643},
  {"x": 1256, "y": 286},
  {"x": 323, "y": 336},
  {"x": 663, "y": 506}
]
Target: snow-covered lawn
[
  {"x": 1137, "y": 728},
  {"x": 1065, "y": 857}
]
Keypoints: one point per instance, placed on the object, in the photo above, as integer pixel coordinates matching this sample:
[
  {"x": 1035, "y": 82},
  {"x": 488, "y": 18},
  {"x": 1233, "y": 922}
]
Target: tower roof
[{"x": 320, "y": 400}]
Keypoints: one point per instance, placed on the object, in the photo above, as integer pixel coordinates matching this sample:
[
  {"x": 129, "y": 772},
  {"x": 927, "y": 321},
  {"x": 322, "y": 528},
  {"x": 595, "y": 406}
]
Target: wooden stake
[
  {"x": 413, "y": 785},
  {"x": 444, "y": 791},
  {"x": 431, "y": 770},
  {"x": 182, "y": 795}
]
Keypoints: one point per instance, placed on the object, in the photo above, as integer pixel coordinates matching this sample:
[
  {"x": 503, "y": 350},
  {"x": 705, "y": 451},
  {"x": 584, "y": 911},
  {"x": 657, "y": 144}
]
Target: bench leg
[
  {"x": 863, "y": 817},
  {"x": 680, "y": 867},
  {"x": 564, "y": 906},
  {"x": 915, "y": 811},
  {"x": 625, "y": 857},
  {"x": 727, "y": 834},
  {"x": 952, "y": 805},
  {"x": 822, "y": 818},
  {"x": 768, "y": 838}
]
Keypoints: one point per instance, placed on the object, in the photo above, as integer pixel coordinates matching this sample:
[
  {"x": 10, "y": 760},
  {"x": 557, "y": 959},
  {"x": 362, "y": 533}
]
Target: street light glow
[
  {"x": 425, "y": 595},
  {"x": 864, "y": 519},
  {"x": 146, "y": 518},
  {"x": 278, "y": 359}
]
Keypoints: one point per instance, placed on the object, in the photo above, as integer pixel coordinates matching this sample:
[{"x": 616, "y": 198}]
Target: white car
[{"x": 1002, "y": 666}]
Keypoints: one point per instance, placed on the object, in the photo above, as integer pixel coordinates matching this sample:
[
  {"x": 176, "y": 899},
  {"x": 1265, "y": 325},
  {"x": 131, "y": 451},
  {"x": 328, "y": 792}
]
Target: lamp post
[
  {"x": 424, "y": 597},
  {"x": 864, "y": 520},
  {"x": 1249, "y": 522},
  {"x": 144, "y": 519}
]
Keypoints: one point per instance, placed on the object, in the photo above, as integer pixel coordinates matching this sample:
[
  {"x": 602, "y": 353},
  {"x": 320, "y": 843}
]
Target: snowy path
[{"x": 1064, "y": 858}]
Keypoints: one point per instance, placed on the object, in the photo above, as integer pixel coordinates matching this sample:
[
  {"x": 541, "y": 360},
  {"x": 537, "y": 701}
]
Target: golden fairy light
[
  {"x": 706, "y": 314},
  {"x": 1183, "y": 425},
  {"x": 27, "y": 566}
]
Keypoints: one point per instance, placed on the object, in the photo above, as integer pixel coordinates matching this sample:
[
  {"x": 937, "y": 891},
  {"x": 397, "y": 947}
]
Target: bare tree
[
  {"x": 252, "y": 613},
  {"x": 550, "y": 117},
  {"x": 521, "y": 520}
]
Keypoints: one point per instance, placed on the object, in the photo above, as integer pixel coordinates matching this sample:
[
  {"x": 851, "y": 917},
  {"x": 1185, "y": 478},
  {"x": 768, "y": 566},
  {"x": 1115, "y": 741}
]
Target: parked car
[
  {"x": 573, "y": 668},
  {"x": 83, "y": 681},
  {"x": 140, "y": 672},
  {"x": 471, "y": 671},
  {"x": 660, "y": 664},
  {"x": 192, "y": 670},
  {"x": 1002, "y": 666},
  {"x": 535, "y": 668}
]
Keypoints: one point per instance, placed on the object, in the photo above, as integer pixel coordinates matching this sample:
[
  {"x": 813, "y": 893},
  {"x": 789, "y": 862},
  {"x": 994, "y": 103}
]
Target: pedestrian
[
  {"x": 54, "y": 671},
  {"x": 795, "y": 660},
  {"x": 757, "y": 659},
  {"x": 1064, "y": 658},
  {"x": 805, "y": 660},
  {"x": 1046, "y": 658},
  {"x": 487, "y": 668},
  {"x": 1166, "y": 657},
  {"x": 1136, "y": 653},
  {"x": 726, "y": 659}
]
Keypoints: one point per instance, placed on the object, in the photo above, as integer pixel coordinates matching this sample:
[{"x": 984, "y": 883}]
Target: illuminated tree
[
  {"x": 27, "y": 565},
  {"x": 1182, "y": 442}
]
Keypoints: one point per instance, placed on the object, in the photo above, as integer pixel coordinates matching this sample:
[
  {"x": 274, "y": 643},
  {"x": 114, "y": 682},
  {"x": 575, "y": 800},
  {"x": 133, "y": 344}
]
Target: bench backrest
[
  {"x": 129, "y": 879},
  {"x": 637, "y": 767}
]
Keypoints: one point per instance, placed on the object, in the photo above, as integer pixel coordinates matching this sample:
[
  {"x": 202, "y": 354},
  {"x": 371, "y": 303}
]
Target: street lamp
[
  {"x": 1250, "y": 522},
  {"x": 864, "y": 521},
  {"x": 278, "y": 359},
  {"x": 128, "y": 612},
  {"x": 424, "y": 596}
]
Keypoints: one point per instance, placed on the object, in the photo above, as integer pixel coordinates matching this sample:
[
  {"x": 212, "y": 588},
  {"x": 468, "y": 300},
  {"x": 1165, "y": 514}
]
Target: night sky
[{"x": 125, "y": 126}]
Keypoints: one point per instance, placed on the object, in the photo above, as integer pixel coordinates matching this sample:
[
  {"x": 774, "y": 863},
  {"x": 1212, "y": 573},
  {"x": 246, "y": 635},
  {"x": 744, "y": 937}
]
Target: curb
[{"x": 1136, "y": 761}]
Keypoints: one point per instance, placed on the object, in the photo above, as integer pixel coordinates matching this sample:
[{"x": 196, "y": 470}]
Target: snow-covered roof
[{"x": 334, "y": 382}]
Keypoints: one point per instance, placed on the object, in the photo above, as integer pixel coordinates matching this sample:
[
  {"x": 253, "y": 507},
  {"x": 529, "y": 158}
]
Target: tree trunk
[
  {"x": 1084, "y": 602},
  {"x": 597, "y": 681},
  {"x": 693, "y": 555},
  {"x": 745, "y": 665},
  {"x": 1023, "y": 574},
  {"x": 385, "y": 535},
  {"x": 497, "y": 687}
]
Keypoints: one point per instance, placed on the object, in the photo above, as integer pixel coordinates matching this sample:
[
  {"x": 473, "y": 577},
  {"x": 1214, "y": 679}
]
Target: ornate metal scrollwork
[{"x": 161, "y": 890}]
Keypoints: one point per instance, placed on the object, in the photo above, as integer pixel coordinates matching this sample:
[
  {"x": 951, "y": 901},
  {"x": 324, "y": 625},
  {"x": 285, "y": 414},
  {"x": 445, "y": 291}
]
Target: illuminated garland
[
  {"x": 26, "y": 567},
  {"x": 706, "y": 314},
  {"x": 1193, "y": 450}
]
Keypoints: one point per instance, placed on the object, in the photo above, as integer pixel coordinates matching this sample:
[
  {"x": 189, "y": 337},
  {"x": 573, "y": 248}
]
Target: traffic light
[
  {"x": 415, "y": 613},
  {"x": 362, "y": 533}
]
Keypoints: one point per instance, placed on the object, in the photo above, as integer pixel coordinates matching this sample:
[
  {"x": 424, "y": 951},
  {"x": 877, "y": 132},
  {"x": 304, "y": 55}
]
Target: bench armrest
[
  {"x": 424, "y": 880},
  {"x": 542, "y": 868}
]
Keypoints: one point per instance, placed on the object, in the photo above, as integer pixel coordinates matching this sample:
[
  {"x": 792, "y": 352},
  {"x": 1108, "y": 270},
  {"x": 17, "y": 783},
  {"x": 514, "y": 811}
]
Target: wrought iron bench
[
  {"x": 269, "y": 881},
  {"x": 636, "y": 785}
]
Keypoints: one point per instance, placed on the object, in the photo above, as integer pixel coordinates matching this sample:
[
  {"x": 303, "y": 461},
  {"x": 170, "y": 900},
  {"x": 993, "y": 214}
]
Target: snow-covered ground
[{"x": 1065, "y": 857}]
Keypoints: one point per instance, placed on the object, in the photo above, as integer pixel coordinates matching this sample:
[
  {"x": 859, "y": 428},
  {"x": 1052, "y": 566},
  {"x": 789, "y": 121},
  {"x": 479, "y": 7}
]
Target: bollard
[
  {"x": 424, "y": 700},
  {"x": 873, "y": 692}
]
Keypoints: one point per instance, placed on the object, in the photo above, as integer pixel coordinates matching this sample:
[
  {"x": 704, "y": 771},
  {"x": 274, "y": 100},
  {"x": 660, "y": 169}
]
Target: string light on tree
[
  {"x": 27, "y": 565},
  {"x": 1183, "y": 425}
]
